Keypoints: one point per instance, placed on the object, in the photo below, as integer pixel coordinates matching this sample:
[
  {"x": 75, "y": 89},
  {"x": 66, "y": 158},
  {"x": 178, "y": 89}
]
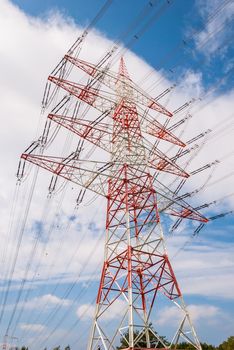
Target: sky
[{"x": 51, "y": 253}]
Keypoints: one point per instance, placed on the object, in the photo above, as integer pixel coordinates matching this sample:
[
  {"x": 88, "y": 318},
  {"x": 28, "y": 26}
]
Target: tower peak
[{"x": 123, "y": 72}]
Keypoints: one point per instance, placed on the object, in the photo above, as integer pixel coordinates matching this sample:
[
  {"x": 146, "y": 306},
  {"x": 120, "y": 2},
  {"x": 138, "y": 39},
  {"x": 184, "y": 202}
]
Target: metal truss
[{"x": 137, "y": 274}]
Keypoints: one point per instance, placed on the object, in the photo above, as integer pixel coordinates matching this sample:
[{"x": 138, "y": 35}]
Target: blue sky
[
  {"x": 168, "y": 43},
  {"x": 37, "y": 34}
]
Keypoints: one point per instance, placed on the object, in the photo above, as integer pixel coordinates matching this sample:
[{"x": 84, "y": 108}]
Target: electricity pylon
[{"x": 137, "y": 273}]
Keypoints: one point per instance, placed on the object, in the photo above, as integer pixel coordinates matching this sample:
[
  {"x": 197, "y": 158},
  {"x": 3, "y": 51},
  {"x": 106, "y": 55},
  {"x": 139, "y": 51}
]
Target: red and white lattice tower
[{"x": 137, "y": 273}]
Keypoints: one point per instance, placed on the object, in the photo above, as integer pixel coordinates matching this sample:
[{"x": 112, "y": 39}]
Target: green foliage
[
  {"x": 142, "y": 341},
  {"x": 227, "y": 345},
  {"x": 183, "y": 346},
  {"x": 206, "y": 346}
]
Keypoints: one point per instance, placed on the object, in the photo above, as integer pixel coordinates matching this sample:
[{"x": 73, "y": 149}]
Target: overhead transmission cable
[
  {"x": 19, "y": 293},
  {"x": 97, "y": 17},
  {"x": 184, "y": 43},
  {"x": 33, "y": 253},
  {"x": 68, "y": 291},
  {"x": 50, "y": 267},
  {"x": 19, "y": 241}
]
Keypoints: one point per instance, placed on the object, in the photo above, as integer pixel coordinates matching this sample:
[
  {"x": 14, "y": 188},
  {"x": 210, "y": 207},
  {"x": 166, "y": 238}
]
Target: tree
[
  {"x": 142, "y": 341},
  {"x": 206, "y": 346},
  {"x": 227, "y": 345},
  {"x": 179, "y": 346},
  {"x": 183, "y": 346}
]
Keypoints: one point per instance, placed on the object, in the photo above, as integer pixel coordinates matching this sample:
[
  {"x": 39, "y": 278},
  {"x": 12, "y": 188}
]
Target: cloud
[
  {"x": 197, "y": 268},
  {"x": 36, "y": 328},
  {"x": 203, "y": 312},
  {"x": 47, "y": 300},
  {"x": 198, "y": 313},
  {"x": 218, "y": 285},
  {"x": 87, "y": 311},
  {"x": 191, "y": 84},
  {"x": 217, "y": 17},
  {"x": 208, "y": 318}
]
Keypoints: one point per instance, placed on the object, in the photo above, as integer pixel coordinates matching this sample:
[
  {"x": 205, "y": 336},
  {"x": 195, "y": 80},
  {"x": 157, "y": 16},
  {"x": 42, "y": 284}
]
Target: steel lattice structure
[{"x": 136, "y": 267}]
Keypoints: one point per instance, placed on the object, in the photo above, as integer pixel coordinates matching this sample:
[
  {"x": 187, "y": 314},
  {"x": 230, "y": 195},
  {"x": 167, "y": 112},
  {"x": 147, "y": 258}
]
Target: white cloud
[
  {"x": 198, "y": 313},
  {"x": 203, "y": 312},
  {"x": 191, "y": 84},
  {"x": 217, "y": 285},
  {"x": 49, "y": 300},
  {"x": 217, "y": 26},
  {"x": 203, "y": 267},
  {"x": 36, "y": 328},
  {"x": 168, "y": 314},
  {"x": 87, "y": 311}
]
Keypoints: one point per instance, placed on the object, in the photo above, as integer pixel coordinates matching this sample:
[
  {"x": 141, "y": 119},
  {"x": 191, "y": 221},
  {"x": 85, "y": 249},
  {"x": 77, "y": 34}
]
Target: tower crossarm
[
  {"x": 85, "y": 93},
  {"x": 110, "y": 79},
  {"x": 171, "y": 206},
  {"x": 159, "y": 161},
  {"x": 96, "y": 99},
  {"x": 98, "y": 134},
  {"x": 155, "y": 129},
  {"x": 95, "y": 177},
  {"x": 169, "y": 203},
  {"x": 70, "y": 168}
]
